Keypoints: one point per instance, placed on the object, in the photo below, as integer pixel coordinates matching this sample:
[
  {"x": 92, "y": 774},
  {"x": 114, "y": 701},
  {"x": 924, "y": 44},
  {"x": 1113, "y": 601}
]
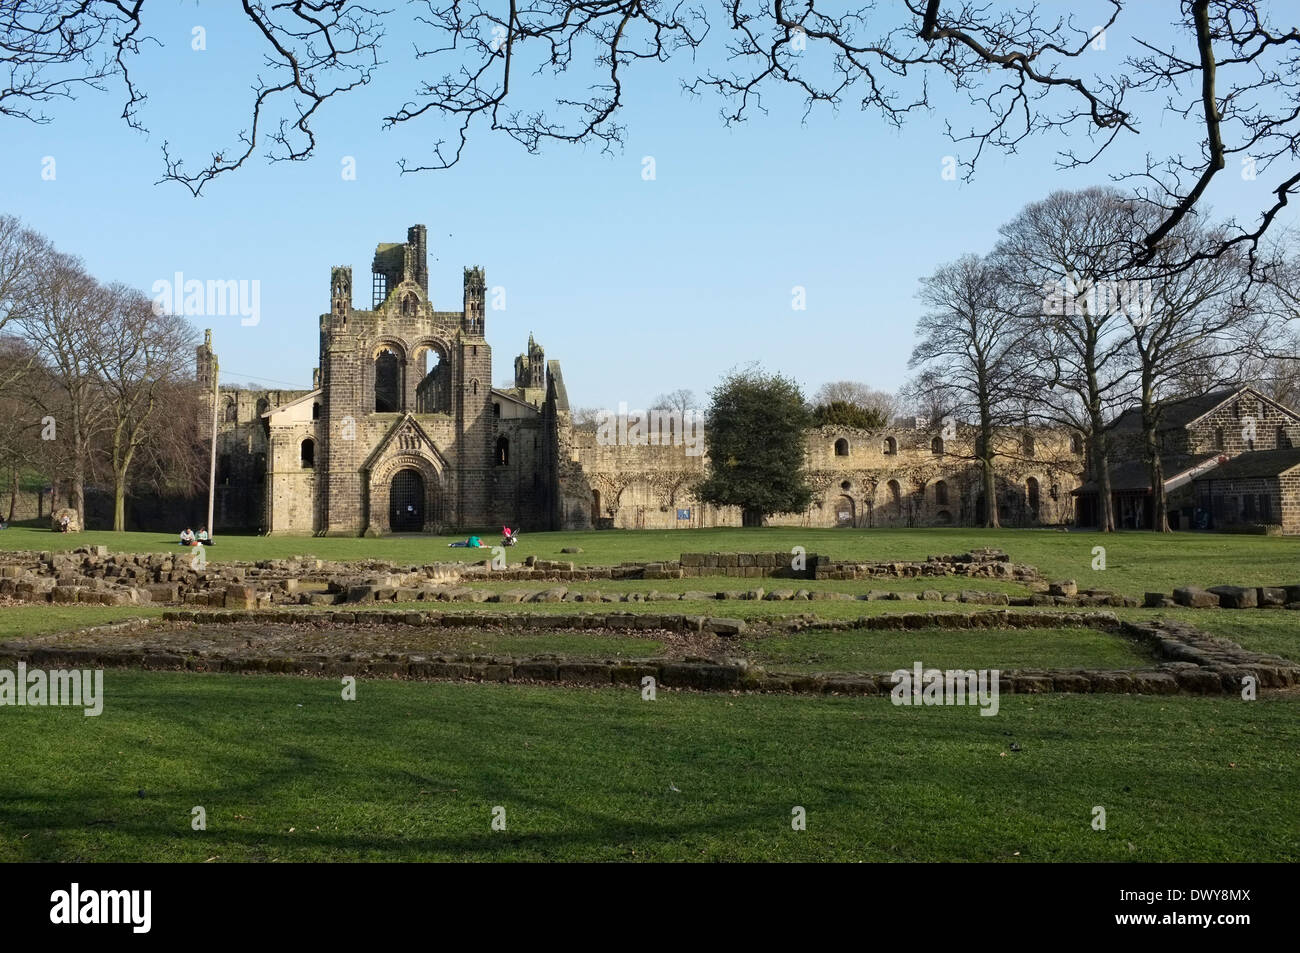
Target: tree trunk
[
  {"x": 1155, "y": 465},
  {"x": 990, "y": 494},
  {"x": 13, "y": 497},
  {"x": 1156, "y": 469},
  {"x": 751, "y": 517},
  {"x": 77, "y": 497},
  {"x": 119, "y": 502},
  {"x": 1101, "y": 456},
  {"x": 986, "y": 461}
]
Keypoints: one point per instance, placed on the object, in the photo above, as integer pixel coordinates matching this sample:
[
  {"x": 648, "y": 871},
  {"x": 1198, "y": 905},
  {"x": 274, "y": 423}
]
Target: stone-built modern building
[
  {"x": 1255, "y": 489},
  {"x": 404, "y": 432},
  {"x": 1200, "y": 439}
]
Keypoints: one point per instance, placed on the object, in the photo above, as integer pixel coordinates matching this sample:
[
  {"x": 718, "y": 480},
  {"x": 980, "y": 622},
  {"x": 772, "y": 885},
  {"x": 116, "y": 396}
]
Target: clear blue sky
[{"x": 637, "y": 287}]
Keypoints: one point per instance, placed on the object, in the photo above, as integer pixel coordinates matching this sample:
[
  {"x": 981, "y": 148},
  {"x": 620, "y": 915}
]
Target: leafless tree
[
  {"x": 586, "y": 416},
  {"x": 876, "y": 402},
  {"x": 680, "y": 400},
  {"x": 557, "y": 71},
  {"x": 1054, "y": 255},
  {"x": 1202, "y": 318},
  {"x": 21, "y": 252},
  {"x": 970, "y": 351},
  {"x": 140, "y": 355},
  {"x": 60, "y": 323}
]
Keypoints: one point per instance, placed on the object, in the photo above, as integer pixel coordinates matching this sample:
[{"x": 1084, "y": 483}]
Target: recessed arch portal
[{"x": 406, "y": 501}]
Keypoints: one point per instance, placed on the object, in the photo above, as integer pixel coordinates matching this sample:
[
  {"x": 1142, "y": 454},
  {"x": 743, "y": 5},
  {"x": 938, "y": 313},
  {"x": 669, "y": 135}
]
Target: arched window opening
[
  {"x": 388, "y": 383},
  {"x": 891, "y": 446},
  {"x": 496, "y": 410},
  {"x": 433, "y": 393},
  {"x": 841, "y": 447},
  {"x": 307, "y": 453},
  {"x": 315, "y": 411},
  {"x": 1027, "y": 444},
  {"x": 936, "y": 446},
  {"x": 232, "y": 411},
  {"x": 941, "y": 493},
  {"x": 895, "y": 492},
  {"x": 1031, "y": 491},
  {"x": 408, "y": 305},
  {"x": 502, "y": 457}
]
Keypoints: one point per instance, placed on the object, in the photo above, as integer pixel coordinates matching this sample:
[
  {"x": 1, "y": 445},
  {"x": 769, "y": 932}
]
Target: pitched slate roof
[
  {"x": 1254, "y": 464},
  {"x": 1134, "y": 476},
  {"x": 1179, "y": 413}
]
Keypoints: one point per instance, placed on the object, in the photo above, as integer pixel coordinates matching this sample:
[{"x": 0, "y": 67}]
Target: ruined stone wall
[
  {"x": 243, "y": 448},
  {"x": 892, "y": 477},
  {"x": 516, "y": 493},
  {"x": 362, "y": 449}
]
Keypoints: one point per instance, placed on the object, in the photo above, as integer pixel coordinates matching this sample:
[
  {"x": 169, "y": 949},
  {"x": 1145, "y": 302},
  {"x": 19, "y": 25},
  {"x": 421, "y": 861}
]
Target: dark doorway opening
[{"x": 406, "y": 502}]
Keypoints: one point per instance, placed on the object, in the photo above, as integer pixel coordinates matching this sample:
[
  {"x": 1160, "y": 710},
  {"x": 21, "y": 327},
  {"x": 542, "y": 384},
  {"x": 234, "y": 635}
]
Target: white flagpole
[{"x": 212, "y": 463}]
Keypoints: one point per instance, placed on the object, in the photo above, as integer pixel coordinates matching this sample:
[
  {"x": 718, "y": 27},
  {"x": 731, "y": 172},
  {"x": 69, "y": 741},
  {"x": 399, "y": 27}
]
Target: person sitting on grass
[
  {"x": 203, "y": 535},
  {"x": 472, "y": 543},
  {"x": 187, "y": 537}
]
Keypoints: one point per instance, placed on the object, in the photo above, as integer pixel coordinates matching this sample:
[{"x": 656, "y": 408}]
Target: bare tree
[
  {"x": 969, "y": 351},
  {"x": 21, "y": 252},
  {"x": 1056, "y": 254},
  {"x": 878, "y": 404},
  {"x": 60, "y": 323},
  {"x": 1221, "y": 67},
  {"x": 139, "y": 356},
  {"x": 680, "y": 401},
  {"x": 1202, "y": 318},
  {"x": 586, "y": 416}
]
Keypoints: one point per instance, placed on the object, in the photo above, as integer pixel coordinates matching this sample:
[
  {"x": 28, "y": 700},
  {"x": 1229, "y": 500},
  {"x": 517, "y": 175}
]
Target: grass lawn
[
  {"x": 286, "y": 770},
  {"x": 1273, "y": 631},
  {"x": 20, "y": 621},
  {"x": 1135, "y": 561},
  {"x": 869, "y": 650}
]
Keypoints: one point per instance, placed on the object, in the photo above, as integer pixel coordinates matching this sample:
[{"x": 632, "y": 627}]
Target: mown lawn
[
  {"x": 21, "y": 621},
  {"x": 876, "y": 650},
  {"x": 1134, "y": 562},
  {"x": 286, "y": 770}
]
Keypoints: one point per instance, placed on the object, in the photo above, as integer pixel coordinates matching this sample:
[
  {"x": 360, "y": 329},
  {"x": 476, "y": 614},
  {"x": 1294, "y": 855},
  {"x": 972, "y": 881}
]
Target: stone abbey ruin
[{"x": 403, "y": 432}]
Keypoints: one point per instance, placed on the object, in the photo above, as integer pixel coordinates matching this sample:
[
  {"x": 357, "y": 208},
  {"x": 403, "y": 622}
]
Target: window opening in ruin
[{"x": 388, "y": 375}]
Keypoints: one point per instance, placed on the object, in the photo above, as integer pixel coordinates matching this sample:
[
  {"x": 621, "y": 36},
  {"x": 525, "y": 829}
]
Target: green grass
[
  {"x": 868, "y": 650},
  {"x": 1135, "y": 561},
  {"x": 286, "y": 770},
  {"x": 1272, "y": 631},
  {"x": 715, "y": 584},
  {"x": 22, "y": 621}
]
